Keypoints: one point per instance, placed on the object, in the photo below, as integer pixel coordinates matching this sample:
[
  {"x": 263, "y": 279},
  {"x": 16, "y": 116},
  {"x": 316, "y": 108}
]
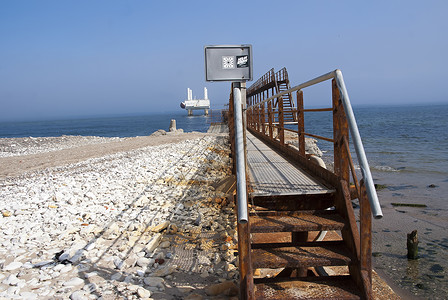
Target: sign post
[{"x": 234, "y": 63}]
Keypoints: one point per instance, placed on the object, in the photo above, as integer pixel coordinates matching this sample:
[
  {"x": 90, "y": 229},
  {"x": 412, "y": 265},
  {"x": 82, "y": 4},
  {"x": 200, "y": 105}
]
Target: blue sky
[{"x": 61, "y": 59}]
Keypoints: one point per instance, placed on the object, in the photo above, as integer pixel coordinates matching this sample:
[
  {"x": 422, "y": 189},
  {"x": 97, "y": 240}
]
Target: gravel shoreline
[
  {"x": 33, "y": 145},
  {"x": 136, "y": 222}
]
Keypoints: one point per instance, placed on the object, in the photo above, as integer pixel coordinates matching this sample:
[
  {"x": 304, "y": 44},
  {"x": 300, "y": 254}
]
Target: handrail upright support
[
  {"x": 340, "y": 132},
  {"x": 281, "y": 121},
  {"x": 263, "y": 119},
  {"x": 366, "y": 239},
  {"x": 301, "y": 123},
  {"x": 271, "y": 130}
]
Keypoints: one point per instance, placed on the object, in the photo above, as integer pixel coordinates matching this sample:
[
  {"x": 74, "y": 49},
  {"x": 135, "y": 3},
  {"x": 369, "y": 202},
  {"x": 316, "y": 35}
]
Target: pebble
[
  {"x": 227, "y": 288},
  {"x": 90, "y": 287},
  {"x": 154, "y": 281},
  {"x": 165, "y": 244},
  {"x": 66, "y": 269},
  {"x": 122, "y": 211},
  {"x": 165, "y": 271},
  {"x": 13, "y": 266},
  {"x": 117, "y": 276},
  {"x": 78, "y": 295},
  {"x": 11, "y": 280},
  {"x": 73, "y": 282},
  {"x": 143, "y": 293},
  {"x": 143, "y": 261},
  {"x": 28, "y": 295}
]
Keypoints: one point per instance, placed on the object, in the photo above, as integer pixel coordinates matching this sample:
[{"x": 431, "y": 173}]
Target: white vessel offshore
[{"x": 195, "y": 104}]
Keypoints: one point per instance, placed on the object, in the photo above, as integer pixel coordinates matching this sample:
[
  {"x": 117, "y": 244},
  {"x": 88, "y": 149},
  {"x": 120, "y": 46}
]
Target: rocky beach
[{"x": 115, "y": 218}]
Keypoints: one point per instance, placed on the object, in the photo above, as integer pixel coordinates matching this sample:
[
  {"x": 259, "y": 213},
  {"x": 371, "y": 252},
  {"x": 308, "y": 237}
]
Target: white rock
[
  {"x": 154, "y": 281},
  {"x": 153, "y": 243},
  {"x": 91, "y": 274},
  {"x": 44, "y": 277},
  {"x": 78, "y": 295},
  {"x": 143, "y": 293},
  {"x": 64, "y": 256},
  {"x": 165, "y": 244},
  {"x": 66, "y": 268},
  {"x": 28, "y": 265},
  {"x": 58, "y": 267},
  {"x": 133, "y": 287},
  {"x": 12, "y": 292},
  {"x": 73, "y": 282},
  {"x": 33, "y": 282},
  {"x": 90, "y": 246},
  {"x": 13, "y": 266},
  {"x": 11, "y": 280},
  {"x": 143, "y": 261},
  {"x": 164, "y": 271},
  {"x": 90, "y": 196},
  {"x": 118, "y": 263},
  {"x": 28, "y": 295}
]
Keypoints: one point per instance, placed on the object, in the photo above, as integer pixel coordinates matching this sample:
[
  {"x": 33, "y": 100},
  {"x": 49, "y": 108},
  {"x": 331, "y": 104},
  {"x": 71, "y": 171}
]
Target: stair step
[
  {"x": 293, "y": 202},
  {"x": 334, "y": 287},
  {"x": 296, "y": 221},
  {"x": 312, "y": 254}
]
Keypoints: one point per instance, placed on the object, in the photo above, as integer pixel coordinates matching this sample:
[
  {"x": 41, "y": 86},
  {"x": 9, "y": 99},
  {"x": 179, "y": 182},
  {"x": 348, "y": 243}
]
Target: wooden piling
[{"x": 412, "y": 245}]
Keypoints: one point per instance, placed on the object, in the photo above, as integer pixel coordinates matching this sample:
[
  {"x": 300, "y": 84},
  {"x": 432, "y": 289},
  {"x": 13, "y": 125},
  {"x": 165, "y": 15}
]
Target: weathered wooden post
[
  {"x": 412, "y": 245},
  {"x": 301, "y": 123}
]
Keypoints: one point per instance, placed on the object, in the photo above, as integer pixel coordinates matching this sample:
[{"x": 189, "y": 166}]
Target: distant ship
[{"x": 194, "y": 104}]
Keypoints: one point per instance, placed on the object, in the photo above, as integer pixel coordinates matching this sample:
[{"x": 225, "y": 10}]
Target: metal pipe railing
[
  {"x": 353, "y": 127},
  {"x": 240, "y": 158},
  {"x": 359, "y": 148}
]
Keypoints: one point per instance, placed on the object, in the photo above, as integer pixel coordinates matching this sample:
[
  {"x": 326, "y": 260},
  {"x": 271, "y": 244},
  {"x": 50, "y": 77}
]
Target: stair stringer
[{"x": 350, "y": 234}]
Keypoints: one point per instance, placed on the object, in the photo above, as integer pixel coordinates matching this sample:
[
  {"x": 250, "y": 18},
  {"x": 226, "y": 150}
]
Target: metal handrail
[{"x": 353, "y": 127}]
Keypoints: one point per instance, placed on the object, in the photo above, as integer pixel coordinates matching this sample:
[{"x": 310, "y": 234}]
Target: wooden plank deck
[{"x": 271, "y": 174}]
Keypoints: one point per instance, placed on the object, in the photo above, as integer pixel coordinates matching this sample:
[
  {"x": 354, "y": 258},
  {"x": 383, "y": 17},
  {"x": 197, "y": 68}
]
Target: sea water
[{"x": 117, "y": 126}]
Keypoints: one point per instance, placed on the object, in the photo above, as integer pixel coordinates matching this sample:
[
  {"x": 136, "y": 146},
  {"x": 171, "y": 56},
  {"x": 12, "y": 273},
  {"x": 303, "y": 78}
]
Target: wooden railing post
[
  {"x": 340, "y": 130},
  {"x": 366, "y": 239},
  {"x": 301, "y": 123},
  {"x": 271, "y": 131},
  {"x": 281, "y": 121},
  {"x": 263, "y": 119}
]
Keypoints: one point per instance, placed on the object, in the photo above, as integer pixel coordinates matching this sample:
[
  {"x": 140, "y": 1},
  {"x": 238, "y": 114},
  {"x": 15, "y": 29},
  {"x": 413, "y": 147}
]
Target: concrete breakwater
[{"x": 145, "y": 223}]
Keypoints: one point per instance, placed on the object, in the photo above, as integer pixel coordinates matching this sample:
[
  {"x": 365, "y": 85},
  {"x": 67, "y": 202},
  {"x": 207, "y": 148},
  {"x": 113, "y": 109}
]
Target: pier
[{"x": 298, "y": 236}]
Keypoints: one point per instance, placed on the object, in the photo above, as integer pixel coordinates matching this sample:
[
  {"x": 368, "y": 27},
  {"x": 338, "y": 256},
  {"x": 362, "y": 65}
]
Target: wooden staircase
[
  {"x": 281, "y": 85},
  {"x": 284, "y": 240},
  {"x": 283, "y": 251}
]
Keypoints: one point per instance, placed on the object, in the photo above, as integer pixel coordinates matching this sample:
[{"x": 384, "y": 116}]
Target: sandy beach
[
  {"x": 425, "y": 277},
  {"x": 134, "y": 218}
]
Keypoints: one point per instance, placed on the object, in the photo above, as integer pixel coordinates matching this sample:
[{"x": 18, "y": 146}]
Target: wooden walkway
[{"x": 271, "y": 174}]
